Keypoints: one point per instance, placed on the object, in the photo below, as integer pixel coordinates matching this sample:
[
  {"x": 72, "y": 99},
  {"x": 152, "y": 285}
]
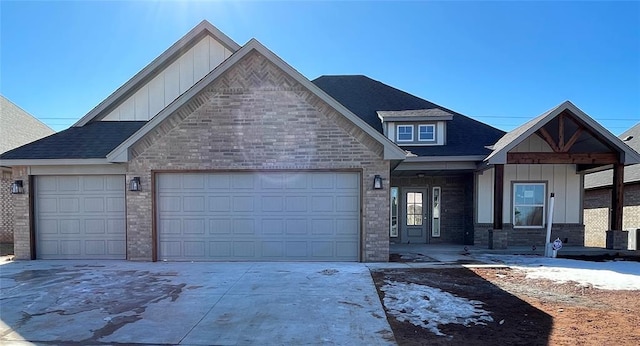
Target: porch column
[
  {"x": 498, "y": 187},
  {"x": 617, "y": 197}
]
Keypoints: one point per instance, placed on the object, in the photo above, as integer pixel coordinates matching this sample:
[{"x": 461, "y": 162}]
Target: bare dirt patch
[{"x": 524, "y": 311}]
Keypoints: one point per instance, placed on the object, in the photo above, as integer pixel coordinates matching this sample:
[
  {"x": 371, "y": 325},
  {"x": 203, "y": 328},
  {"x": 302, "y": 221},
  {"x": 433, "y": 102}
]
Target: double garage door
[
  {"x": 258, "y": 216},
  {"x": 80, "y": 217},
  {"x": 311, "y": 216}
]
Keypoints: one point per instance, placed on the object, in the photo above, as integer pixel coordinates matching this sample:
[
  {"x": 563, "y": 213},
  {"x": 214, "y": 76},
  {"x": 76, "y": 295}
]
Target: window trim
[
  {"x": 434, "y": 133},
  {"x": 543, "y": 205},
  {"x": 412, "y": 127}
]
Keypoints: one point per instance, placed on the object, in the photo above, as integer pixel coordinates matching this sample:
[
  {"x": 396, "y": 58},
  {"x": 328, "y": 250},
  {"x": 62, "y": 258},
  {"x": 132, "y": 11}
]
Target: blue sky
[{"x": 499, "y": 62}]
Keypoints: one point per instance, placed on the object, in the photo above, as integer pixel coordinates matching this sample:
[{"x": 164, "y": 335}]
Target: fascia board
[
  {"x": 474, "y": 158},
  {"x": 500, "y": 156},
  {"x": 157, "y": 64},
  {"x": 52, "y": 162}
]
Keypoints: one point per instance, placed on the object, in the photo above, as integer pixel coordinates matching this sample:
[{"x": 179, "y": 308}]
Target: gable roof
[
  {"x": 515, "y": 137},
  {"x": 92, "y": 141},
  {"x": 121, "y": 153},
  {"x": 365, "y": 97},
  {"x": 156, "y": 66},
  {"x": 17, "y": 127},
  {"x": 631, "y": 173}
]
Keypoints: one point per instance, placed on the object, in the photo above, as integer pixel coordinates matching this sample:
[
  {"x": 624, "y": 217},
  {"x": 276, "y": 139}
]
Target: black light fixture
[
  {"x": 134, "y": 184},
  {"x": 17, "y": 188},
  {"x": 377, "y": 182}
]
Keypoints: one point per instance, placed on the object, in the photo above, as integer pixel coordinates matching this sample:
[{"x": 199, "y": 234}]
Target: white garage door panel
[
  {"x": 80, "y": 217},
  {"x": 259, "y": 216}
]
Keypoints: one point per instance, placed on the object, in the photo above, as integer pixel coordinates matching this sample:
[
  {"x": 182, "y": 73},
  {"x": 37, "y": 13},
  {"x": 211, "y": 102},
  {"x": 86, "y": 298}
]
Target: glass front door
[{"x": 414, "y": 225}]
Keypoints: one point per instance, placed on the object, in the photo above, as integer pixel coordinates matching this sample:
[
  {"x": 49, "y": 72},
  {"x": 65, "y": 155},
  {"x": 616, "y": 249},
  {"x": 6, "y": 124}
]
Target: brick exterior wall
[
  {"x": 456, "y": 205},
  {"x": 597, "y": 206},
  {"x": 6, "y": 207},
  {"x": 256, "y": 117},
  {"x": 22, "y": 216}
]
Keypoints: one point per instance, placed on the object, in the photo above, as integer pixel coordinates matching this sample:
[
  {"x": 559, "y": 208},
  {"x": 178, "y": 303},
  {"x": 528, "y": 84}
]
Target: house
[
  {"x": 17, "y": 127},
  {"x": 597, "y": 199},
  {"x": 216, "y": 151}
]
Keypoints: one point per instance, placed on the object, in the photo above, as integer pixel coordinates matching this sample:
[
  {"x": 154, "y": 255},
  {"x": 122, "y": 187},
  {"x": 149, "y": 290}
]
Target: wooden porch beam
[
  {"x": 547, "y": 138},
  {"x": 559, "y": 158},
  {"x": 571, "y": 141},
  {"x": 561, "y": 132},
  {"x": 617, "y": 197},
  {"x": 498, "y": 184}
]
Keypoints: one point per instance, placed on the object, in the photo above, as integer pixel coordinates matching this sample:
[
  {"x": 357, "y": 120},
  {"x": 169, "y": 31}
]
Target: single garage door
[
  {"x": 80, "y": 217},
  {"x": 257, "y": 216}
]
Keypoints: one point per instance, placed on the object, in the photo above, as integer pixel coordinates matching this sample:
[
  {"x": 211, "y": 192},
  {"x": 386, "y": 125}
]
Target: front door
[{"x": 414, "y": 225}]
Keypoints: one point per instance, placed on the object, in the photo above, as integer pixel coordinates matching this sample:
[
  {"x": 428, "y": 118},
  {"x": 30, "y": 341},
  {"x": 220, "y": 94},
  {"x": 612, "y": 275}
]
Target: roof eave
[{"x": 53, "y": 162}]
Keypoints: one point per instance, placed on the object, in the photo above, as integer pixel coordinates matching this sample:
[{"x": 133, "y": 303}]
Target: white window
[
  {"x": 393, "y": 232},
  {"x": 528, "y": 204},
  {"x": 405, "y": 133},
  {"x": 435, "y": 226},
  {"x": 426, "y": 133}
]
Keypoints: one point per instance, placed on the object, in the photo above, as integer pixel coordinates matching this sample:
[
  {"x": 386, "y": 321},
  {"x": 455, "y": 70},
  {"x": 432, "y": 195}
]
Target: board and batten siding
[
  {"x": 170, "y": 83},
  {"x": 561, "y": 179}
]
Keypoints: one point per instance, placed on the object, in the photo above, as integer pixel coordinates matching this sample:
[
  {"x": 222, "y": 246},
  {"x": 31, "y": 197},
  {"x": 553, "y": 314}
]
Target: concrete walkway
[{"x": 108, "y": 302}]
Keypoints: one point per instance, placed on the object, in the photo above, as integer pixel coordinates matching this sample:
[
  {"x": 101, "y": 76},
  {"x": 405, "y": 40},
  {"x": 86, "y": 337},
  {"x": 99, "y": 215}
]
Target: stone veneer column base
[
  {"x": 617, "y": 240},
  {"x": 498, "y": 238}
]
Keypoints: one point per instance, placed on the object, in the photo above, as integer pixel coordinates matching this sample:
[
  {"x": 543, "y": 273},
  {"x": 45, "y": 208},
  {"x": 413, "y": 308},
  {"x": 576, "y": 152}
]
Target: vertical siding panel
[
  {"x": 559, "y": 187},
  {"x": 156, "y": 95},
  {"x": 201, "y": 59},
  {"x": 186, "y": 71},
  {"x": 171, "y": 83},
  {"x": 535, "y": 172},
  {"x": 522, "y": 172},
  {"x": 142, "y": 104},
  {"x": 573, "y": 205},
  {"x": 127, "y": 109},
  {"x": 485, "y": 197},
  {"x": 216, "y": 53}
]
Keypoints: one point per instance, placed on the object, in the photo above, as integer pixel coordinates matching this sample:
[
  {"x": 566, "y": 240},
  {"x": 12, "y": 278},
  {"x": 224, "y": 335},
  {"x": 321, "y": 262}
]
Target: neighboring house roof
[
  {"x": 366, "y": 97},
  {"x": 157, "y": 65},
  {"x": 631, "y": 173},
  {"x": 121, "y": 153},
  {"x": 515, "y": 137},
  {"x": 17, "y": 127},
  {"x": 92, "y": 141}
]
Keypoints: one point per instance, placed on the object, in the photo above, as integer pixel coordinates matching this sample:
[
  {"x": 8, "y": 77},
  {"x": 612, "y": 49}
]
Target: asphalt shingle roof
[
  {"x": 364, "y": 97},
  {"x": 92, "y": 141},
  {"x": 631, "y": 173}
]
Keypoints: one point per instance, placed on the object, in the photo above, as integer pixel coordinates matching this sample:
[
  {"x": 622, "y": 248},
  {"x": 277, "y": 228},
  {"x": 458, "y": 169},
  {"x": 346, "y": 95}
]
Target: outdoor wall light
[
  {"x": 17, "y": 187},
  {"x": 134, "y": 184},
  {"x": 377, "y": 182}
]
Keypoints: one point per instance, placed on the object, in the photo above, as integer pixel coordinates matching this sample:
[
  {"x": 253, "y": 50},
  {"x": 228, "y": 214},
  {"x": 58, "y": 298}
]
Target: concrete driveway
[{"x": 107, "y": 302}]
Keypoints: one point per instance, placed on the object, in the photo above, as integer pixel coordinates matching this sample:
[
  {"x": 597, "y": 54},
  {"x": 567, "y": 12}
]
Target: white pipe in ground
[{"x": 548, "y": 252}]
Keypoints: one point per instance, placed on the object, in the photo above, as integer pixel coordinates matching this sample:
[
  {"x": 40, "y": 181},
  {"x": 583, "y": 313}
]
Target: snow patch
[
  {"x": 614, "y": 275},
  {"x": 429, "y": 307}
]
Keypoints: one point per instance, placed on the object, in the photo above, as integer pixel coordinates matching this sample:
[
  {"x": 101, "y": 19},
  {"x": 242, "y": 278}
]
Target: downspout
[{"x": 548, "y": 251}]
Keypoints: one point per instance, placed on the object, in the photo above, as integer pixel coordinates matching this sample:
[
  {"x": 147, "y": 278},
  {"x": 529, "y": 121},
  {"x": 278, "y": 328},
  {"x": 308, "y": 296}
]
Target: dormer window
[
  {"x": 405, "y": 133},
  {"x": 427, "y": 133},
  {"x": 418, "y": 127}
]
